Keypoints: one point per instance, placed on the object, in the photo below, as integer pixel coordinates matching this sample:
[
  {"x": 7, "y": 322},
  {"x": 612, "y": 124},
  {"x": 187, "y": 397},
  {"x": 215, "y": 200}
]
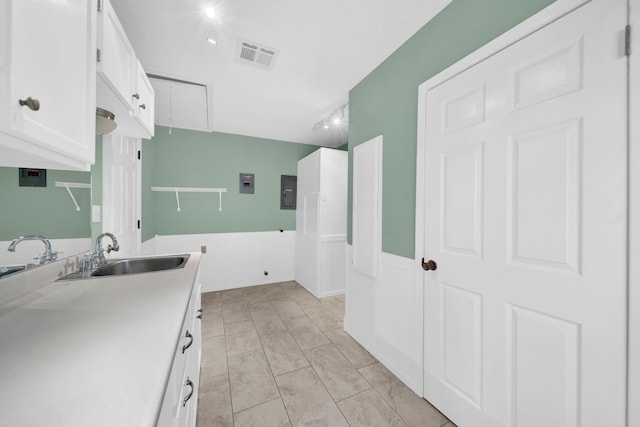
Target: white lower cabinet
[{"x": 180, "y": 404}]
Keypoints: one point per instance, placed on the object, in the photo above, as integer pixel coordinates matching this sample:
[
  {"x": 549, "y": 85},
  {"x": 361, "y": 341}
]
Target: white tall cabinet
[{"x": 321, "y": 222}]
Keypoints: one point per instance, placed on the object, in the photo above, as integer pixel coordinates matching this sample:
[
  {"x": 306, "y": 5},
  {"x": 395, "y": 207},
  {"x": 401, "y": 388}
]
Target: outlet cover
[{"x": 95, "y": 213}]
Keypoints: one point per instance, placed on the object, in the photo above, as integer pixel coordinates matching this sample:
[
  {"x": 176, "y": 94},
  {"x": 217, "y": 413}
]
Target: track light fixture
[{"x": 336, "y": 119}]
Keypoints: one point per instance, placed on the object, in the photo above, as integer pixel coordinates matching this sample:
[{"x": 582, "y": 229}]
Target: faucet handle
[
  {"x": 48, "y": 257},
  {"x": 114, "y": 248}
]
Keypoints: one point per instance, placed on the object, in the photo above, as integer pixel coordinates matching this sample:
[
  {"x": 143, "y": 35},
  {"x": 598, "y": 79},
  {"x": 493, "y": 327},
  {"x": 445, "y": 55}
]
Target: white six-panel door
[
  {"x": 525, "y": 207},
  {"x": 121, "y": 191}
]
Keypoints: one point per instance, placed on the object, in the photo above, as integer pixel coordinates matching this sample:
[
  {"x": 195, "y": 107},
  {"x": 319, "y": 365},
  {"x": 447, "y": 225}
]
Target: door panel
[
  {"x": 544, "y": 384},
  {"x": 525, "y": 207},
  {"x": 461, "y": 221},
  {"x": 462, "y": 321},
  {"x": 544, "y": 202}
]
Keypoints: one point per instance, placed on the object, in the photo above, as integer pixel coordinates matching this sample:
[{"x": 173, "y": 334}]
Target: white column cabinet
[
  {"x": 47, "y": 83},
  {"x": 122, "y": 86},
  {"x": 321, "y": 222}
]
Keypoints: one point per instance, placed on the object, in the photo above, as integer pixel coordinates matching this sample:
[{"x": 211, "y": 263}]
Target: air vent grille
[{"x": 255, "y": 54}]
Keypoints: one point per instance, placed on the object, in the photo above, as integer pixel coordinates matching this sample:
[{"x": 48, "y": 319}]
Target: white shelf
[{"x": 178, "y": 190}]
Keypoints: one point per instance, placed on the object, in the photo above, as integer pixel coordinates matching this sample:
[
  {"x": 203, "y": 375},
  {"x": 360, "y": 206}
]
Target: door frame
[
  {"x": 551, "y": 13},
  {"x": 633, "y": 326}
]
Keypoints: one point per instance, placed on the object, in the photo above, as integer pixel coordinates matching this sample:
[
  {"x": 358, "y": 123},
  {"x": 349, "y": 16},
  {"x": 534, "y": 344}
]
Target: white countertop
[{"x": 93, "y": 352}]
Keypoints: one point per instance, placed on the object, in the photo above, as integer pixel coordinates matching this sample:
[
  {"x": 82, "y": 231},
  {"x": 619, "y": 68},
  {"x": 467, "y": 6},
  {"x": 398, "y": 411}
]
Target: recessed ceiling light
[
  {"x": 210, "y": 12},
  {"x": 211, "y": 40}
]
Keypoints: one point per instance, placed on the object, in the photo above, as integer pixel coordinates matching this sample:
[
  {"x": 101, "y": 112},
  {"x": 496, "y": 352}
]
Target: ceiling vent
[{"x": 255, "y": 54}]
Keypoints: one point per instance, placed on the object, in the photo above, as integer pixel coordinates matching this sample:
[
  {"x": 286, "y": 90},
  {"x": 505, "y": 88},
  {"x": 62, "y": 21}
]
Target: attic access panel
[{"x": 181, "y": 104}]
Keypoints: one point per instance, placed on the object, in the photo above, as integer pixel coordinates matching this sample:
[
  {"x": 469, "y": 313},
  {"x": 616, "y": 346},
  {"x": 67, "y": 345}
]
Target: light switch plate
[{"x": 95, "y": 213}]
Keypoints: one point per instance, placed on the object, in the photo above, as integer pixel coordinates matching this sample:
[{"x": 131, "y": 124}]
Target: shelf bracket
[{"x": 68, "y": 186}]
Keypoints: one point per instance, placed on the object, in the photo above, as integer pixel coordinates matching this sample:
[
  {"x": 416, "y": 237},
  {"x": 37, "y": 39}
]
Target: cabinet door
[
  {"x": 47, "y": 53},
  {"x": 117, "y": 61},
  {"x": 145, "y": 103}
]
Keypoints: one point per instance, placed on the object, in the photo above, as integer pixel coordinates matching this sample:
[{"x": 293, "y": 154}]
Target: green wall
[
  {"x": 201, "y": 159},
  {"x": 148, "y": 169},
  {"x": 48, "y": 210},
  {"x": 386, "y": 101},
  {"x": 96, "y": 189}
]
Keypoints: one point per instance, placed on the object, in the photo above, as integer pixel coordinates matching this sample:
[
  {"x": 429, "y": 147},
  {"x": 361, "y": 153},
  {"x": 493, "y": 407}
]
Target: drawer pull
[
  {"x": 189, "y": 383},
  {"x": 199, "y": 316},
  {"x": 186, "y": 346}
]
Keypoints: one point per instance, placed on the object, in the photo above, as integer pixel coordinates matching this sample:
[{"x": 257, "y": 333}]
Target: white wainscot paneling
[
  {"x": 385, "y": 315},
  {"x": 149, "y": 246},
  {"x": 332, "y": 279},
  {"x": 235, "y": 260},
  {"x": 28, "y": 249}
]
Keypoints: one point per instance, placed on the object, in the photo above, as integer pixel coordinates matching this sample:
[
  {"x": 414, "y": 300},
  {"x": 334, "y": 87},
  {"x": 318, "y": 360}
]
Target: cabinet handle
[
  {"x": 189, "y": 383},
  {"x": 136, "y": 96},
  {"x": 30, "y": 102},
  {"x": 144, "y": 107},
  {"x": 186, "y": 346},
  {"x": 199, "y": 316}
]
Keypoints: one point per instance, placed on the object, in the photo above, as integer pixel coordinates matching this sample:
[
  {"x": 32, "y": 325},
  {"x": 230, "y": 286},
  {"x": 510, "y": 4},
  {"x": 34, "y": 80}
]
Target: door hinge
[
  {"x": 627, "y": 40},
  {"x": 138, "y": 224},
  {"x": 98, "y": 55},
  {"x": 139, "y": 154},
  {"x": 99, "y": 5}
]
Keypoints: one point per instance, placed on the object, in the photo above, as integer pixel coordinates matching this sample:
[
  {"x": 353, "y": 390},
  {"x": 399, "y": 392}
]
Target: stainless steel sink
[
  {"x": 141, "y": 265},
  {"x": 132, "y": 266},
  {"x": 5, "y": 270}
]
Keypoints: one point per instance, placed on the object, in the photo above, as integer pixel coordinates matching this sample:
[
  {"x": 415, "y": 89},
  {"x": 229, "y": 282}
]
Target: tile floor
[{"x": 274, "y": 355}]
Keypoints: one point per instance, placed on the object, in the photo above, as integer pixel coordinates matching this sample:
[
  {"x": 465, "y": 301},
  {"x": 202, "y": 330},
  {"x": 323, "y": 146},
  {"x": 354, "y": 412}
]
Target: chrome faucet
[
  {"x": 97, "y": 257},
  {"x": 46, "y": 257}
]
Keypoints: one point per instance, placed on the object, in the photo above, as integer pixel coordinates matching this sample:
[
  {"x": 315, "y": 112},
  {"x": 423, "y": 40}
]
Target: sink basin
[
  {"x": 141, "y": 265},
  {"x": 119, "y": 267},
  {"x": 5, "y": 270}
]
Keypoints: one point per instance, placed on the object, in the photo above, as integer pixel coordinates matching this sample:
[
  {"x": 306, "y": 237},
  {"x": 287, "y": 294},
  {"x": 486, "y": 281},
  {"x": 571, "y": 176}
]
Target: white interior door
[
  {"x": 525, "y": 207},
  {"x": 121, "y": 191}
]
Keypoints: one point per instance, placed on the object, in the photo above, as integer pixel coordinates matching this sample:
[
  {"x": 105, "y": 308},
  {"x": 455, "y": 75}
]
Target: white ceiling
[{"x": 325, "y": 49}]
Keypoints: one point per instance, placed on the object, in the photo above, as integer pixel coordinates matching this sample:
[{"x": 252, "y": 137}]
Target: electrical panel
[
  {"x": 288, "y": 191},
  {"x": 247, "y": 183},
  {"x": 32, "y": 177}
]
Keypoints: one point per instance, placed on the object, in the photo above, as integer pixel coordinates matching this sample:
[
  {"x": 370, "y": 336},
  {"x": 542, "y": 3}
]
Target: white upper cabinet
[
  {"x": 144, "y": 100},
  {"x": 47, "y": 83},
  {"x": 122, "y": 85},
  {"x": 116, "y": 57}
]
